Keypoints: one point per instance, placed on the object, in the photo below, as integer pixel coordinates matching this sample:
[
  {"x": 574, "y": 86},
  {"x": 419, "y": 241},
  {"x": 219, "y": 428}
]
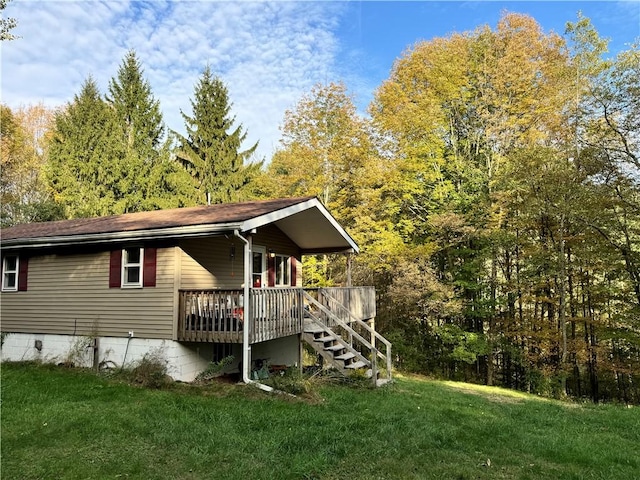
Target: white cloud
[{"x": 268, "y": 54}]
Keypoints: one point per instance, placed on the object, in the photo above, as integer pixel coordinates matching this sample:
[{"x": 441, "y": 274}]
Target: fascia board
[
  {"x": 273, "y": 217},
  {"x": 338, "y": 227},
  {"x": 322, "y": 251},
  {"x": 112, "y": 237}
]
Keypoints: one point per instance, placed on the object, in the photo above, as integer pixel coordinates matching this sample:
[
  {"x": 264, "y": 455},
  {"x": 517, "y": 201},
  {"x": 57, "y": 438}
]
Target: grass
[{"x": 66, "y": 424}]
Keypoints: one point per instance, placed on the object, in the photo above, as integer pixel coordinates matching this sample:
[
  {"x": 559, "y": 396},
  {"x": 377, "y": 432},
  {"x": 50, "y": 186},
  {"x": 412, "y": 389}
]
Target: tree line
[
  {"x": 494, "y": 189},
  {"x": 111, "y": 154}
]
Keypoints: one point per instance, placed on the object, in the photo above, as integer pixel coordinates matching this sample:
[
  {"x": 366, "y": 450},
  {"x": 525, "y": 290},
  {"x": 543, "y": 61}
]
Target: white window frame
[
  {"x": 282, "y": 276},
  {"x": 126, "y": 265},
  {"x": 263, "y": 266},
  {"x": 5, "y": 286}
]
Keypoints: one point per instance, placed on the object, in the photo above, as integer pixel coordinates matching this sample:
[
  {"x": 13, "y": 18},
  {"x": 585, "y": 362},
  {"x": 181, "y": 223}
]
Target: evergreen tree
[
  {"x": 137, "y": 111},
  {"x": 148, "y": 178},
  {"x": 108, "y": 156},
  {"x": 138, "y": 133},
  {"x": 211, "y": 151},
  {"x": 82, "y": 169}
]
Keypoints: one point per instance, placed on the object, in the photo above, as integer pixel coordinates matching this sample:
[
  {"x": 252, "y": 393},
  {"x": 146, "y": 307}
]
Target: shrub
[
  {"x": 291, "y": 381},
  {"x": 214, "y": 369},
  {"x": 79, "y": 354},
  {"x": 151, "y": 370}
]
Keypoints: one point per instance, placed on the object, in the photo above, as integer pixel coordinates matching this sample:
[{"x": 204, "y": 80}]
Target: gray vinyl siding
[{"x": 70, "y": 294}]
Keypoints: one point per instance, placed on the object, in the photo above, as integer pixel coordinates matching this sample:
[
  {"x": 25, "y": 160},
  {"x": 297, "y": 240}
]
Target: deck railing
[
  {"x": 211, "y": 316},
  {"x": 275, "y": 312},
  {"x": 218, "y": 315},
  {"x": 359, "y": 302}
]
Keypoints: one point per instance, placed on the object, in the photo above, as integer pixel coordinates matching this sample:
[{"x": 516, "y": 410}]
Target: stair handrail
[
  {"x": 356, "y": 320},
  {"x": 351, "y": 331}
]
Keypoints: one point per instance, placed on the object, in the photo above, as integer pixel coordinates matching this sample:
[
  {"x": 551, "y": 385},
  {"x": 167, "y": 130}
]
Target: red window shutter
[
  {"x": 294, "y": 272},
  {"x": 149, "y": 270},
  {"x": 23, "y": 270},
  {"x": 271, "y": 271},
  {"x": 115, "y": 267}
]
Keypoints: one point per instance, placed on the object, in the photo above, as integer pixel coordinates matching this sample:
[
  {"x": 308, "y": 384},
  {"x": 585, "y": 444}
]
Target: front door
[{"x": 259, "y": 267}]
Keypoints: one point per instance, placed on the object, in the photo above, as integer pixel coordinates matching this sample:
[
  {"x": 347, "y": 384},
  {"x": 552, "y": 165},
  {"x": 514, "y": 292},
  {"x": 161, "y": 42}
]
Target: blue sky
[{"x": 268, "y": 53}]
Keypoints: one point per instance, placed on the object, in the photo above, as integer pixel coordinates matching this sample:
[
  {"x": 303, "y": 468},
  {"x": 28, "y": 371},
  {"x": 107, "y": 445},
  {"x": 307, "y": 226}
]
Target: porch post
[
  {"x": 349, "y": 255},
  {"x": 246, "y": 346}
]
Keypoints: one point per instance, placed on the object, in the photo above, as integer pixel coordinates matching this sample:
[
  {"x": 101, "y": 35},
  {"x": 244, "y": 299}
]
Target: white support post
[{"x": 246, "y": 346}]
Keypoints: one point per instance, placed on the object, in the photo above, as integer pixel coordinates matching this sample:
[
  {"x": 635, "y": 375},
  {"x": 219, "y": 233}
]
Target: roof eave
[
  {"x": 112, "y": 237},
  {"x": 322, "y": 251},
  {"x": 273, "y": 217}
]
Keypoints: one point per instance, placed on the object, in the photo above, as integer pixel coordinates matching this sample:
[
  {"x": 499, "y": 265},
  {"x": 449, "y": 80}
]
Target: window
[
  {"x": 282, "y": 270},
  {"x": 132, "y": 267},
  {"x": 10, "y": 273},
  {"x": 14, "y": 273}
]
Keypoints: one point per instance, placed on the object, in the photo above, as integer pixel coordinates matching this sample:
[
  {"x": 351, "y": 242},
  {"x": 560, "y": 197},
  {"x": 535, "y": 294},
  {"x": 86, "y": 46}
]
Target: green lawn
[{"x": 59, "y": 423}]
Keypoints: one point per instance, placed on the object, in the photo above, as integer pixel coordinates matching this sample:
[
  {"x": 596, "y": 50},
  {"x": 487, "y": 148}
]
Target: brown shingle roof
[{"x": 131, "y": 222}]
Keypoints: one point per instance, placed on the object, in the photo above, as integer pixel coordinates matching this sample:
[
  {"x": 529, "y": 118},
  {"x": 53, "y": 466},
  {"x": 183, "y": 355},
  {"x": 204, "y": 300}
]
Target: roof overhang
[
  {"x": 113, "y": 237},
  {"x": 308, "y": 224}
]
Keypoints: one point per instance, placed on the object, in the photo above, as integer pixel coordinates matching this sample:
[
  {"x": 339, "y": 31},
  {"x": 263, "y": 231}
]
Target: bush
[
  {"x": 291, "y": 381},
  {"x": 151, "y": 370},
  {"x": 214, "y": 369}
]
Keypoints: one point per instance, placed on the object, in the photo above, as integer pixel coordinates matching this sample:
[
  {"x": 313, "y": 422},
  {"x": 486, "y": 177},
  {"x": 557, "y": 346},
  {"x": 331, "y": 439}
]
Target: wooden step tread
[
  {"x": 345, "y": 356},
  {"x": 327, "y": 338},
  {"x": 313, "y": 329},
  {"x": 356, "y": 365},
  {"x": 334, "y": 348}
]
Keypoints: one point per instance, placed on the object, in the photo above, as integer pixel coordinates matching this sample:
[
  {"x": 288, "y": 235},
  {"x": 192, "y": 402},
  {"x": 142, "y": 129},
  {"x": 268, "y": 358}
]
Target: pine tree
[
  {"x": 109, "y": 157},
  {"x": 211, "y": 151}
]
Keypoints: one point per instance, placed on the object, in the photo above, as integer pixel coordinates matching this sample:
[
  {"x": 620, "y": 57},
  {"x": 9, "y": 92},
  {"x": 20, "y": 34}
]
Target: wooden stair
[
  {"x": 322, "y": 323},
  {"x": 335, "y": 351}
]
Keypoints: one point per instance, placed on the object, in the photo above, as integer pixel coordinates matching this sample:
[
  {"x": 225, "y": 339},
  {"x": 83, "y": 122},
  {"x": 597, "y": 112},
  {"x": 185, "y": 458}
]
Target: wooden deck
[{"x": 218, "y": 315}]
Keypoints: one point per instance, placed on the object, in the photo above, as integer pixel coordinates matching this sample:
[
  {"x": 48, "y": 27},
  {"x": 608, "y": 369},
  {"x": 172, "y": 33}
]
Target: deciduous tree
[
  {"x": 6, "y": 24},
  {"x": 24, "y": 144}
]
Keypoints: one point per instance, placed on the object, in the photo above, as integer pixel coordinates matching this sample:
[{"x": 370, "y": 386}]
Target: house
[{"x": 109, "y": 290}]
